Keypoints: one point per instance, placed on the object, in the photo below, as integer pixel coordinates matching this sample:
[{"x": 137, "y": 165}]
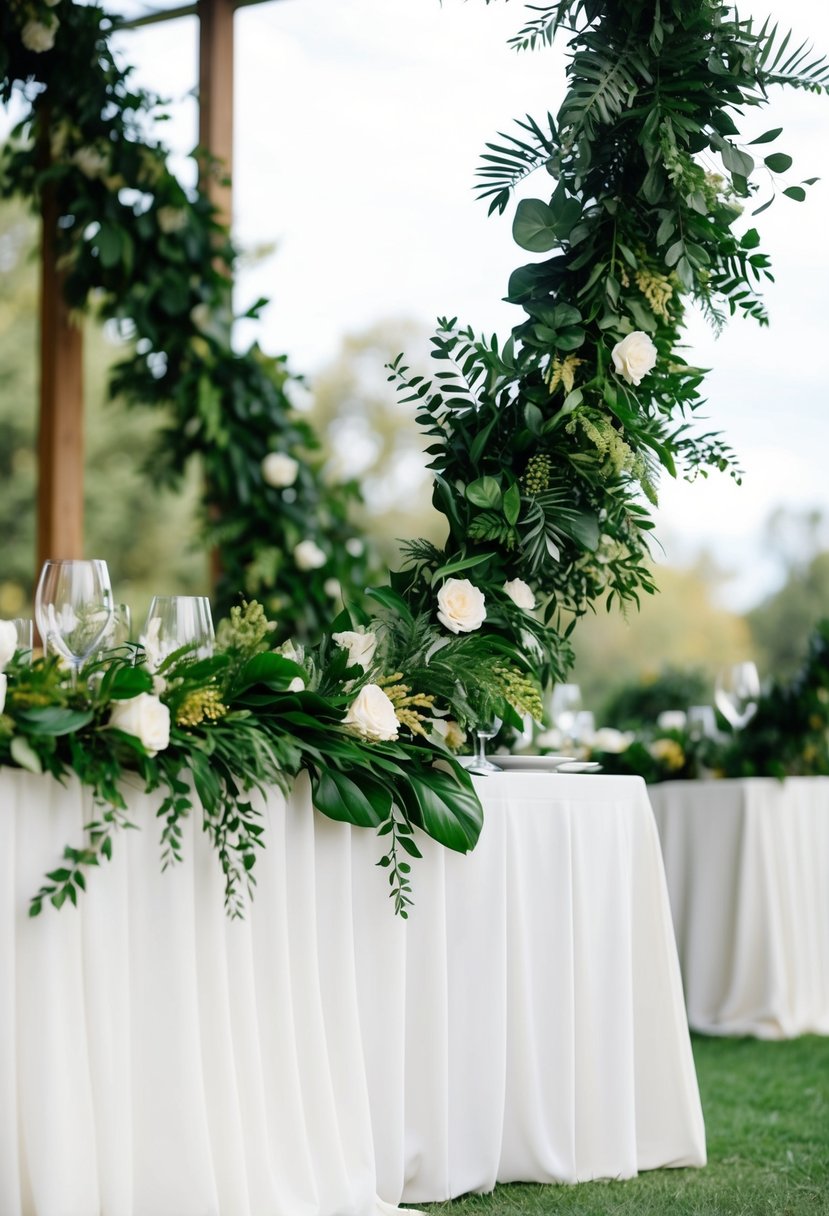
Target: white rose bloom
[
  {"x": 607, "y": 739},
  {"x": 360, "y": 646},
  {"x": 297, "y": 684},
  {"x": 91, "y": 162},
  {"x": 290, "y": 650},
  {"x": 672, "y": 719},
  {"x": 354, "y": 546},
  {"x": 332, "y": 587},
  {"x": 8, "y": 642},
  {"x": 520, "y": 593},
  {"x": 171, "y": 219},
  {"x": 145, "y": 717},
  {"x": 453, "y": 735},
  {"x": 279, "y": 470},
  {"x": 309, "y": 556},
  {"x": 38, "y": 37},
  {"x": 461, "y": 606},
  {"x": 372, "y": 715},
  {"x": 634, "y": 356},
  {"x": 3, "y": 682}
]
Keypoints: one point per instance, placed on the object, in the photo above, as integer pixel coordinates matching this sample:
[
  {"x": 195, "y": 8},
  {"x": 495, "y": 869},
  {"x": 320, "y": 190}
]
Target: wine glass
[
  {"x": 120, "y": 627},
  {"x": 487, "y": 728},
  {"x": 736, "y": 693},
  {"x": 73, "y": 608},
  {"x": 23, "y": 633},
  {"x": 174, "y": 621},
  {"x": 565, "y": 705}
]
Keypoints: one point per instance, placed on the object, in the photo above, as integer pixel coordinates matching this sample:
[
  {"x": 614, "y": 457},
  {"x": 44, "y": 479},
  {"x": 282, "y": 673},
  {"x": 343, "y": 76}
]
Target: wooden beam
[
  {"x": 216, "y": 99},
  {"x": 61, "y": 431}
]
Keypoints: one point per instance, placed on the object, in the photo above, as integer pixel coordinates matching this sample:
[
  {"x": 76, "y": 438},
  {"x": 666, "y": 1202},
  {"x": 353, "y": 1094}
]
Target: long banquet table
[
  {"x": 322, "y": 1056},
  {"x": 747, "y": 864}
]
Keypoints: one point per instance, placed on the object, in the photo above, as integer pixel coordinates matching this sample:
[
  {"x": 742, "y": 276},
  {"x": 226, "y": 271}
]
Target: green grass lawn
[{"x": 766, "y": 1111}]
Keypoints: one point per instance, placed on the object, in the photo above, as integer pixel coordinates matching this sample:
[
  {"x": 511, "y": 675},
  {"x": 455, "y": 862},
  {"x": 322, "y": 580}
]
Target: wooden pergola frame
[{"x": 61, "y": 425}]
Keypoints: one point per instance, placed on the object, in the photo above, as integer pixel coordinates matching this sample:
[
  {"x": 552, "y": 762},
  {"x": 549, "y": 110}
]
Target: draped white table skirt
[
  {"x": 747, "y": 864},
  {"x": 526, "y": 1023}
]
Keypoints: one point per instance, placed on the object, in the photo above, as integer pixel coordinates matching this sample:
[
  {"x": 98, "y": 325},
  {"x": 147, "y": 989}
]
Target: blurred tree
[
  {"x": 680, "y": 627},
  {"x": 148, "y": 538},
  {"x": 369, "y": 435},
  {"x": 782, "y": 623}
]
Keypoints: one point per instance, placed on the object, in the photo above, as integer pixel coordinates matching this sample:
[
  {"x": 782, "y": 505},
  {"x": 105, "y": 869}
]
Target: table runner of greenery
[{"x": 547, "y": 448}]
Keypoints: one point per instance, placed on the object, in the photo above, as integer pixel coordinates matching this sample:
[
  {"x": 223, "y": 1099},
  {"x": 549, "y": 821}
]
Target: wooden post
[
  {"x": 216, "y": 99},
  {"x": 60, "y": 436},
  {"x": 216, "y": 131}
]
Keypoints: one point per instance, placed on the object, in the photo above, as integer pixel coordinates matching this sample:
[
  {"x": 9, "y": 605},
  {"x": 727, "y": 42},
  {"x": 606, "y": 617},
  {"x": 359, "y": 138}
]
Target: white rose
[
  {"x": 360, "y": 646},
  {"x": 372, "y": 715},
  {"x": 520, "y": 593},
  {"x": 672, "y": 719},
  {"x": 279, "y": 470},
  {"x": 634, "y": 356},
  {"x": 3, "y": 682},
  {"x": 297, "y": 684},
  {"x": 38, "y": 37},
  {"x": 461, "y": 607},
  {"x": 91, "y": 162},
  {"x": 354, "y": 546},
  {"x": 8, "y": 642},
  {"x": 607, "y": 739},
  {"x": 309, "y": 556},
  {"x": 290, "y": 650},
  {"x": 453, "y": 735},
  {"x": 333, "y": 587},
  {"x": 145, "y": 717}
]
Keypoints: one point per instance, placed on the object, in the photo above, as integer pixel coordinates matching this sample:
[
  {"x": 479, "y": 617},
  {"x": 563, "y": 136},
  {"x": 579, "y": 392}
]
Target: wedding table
[
  {"x": 747, "y": 864},
  {"x": 322, "y": 1056}
]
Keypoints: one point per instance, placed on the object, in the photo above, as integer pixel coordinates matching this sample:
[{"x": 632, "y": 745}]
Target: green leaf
[
  {"x": 512, "y": 503},
  {"x": 485, "y": 492},
  {"x": 391, "y": 600},
  {"x": 767, "y": 137},
  {"x": 448, "y": 809},
  {"x": 736, "y": 161},
  {"x": 534, "y": 226},
  {"x": 462, "y": 563},
  {"x": 795, "y": 192},
  {"x": 55, "y": 720},
  {"x": 24, "y": 754},
  {"x": 366, "y": 804},
  {"x": 778, "y": 162},
  {"x": 108, "y": 241}
]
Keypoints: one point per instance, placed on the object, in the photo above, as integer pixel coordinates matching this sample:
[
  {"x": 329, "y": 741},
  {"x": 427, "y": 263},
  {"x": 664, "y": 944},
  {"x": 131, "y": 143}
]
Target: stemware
[
  {"x": 73, "y": 608},
  {"x": 487, "y": 728},
  {"x": 175, "y": 621},
  {"x": 736, "y": 693},
  {"x": 565, "y": 704},
  {"x": 23, "y": 627}
]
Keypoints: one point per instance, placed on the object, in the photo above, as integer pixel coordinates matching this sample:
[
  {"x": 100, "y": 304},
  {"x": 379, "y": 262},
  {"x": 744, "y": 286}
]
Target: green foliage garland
[
  {"x": 548, "y": 448},
  {"x": 152, "y": 257}
]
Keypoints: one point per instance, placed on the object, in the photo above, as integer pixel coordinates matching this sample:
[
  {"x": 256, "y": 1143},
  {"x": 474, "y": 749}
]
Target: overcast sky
[{"x": 359, "y": 124}]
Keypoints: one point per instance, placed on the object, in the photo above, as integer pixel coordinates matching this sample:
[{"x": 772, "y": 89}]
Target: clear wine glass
[
  {"x": 565, "y": 705},
  {"x": 73, "y": 608},
  {"x": 736, "y": 693},
  {"x": 174, "y": 621},
  {"x": 487, "y": 728},
  {"x": 24, "y": 630}
]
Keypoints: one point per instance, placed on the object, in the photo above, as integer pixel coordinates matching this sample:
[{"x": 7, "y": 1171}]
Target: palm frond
[
  {"x": 510, "y": 163},
  {"x": 540, "y": 30},
  {"x": 776, "y": 65}
]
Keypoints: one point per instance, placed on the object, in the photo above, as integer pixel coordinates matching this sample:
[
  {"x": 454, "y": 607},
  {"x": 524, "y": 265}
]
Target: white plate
[
  {"x": 538, "y": 764},
  {"x": 580, "y": 766}
]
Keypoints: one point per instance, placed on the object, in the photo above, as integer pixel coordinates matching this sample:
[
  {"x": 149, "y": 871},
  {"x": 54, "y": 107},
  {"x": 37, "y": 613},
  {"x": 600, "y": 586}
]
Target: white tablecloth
[
  {"x": 747, "y": 864},
  {"x": 527, "y": 1022}
]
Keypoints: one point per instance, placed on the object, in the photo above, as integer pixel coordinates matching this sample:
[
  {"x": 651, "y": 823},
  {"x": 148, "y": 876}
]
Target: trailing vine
[{"x": 151, "y": 256}]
